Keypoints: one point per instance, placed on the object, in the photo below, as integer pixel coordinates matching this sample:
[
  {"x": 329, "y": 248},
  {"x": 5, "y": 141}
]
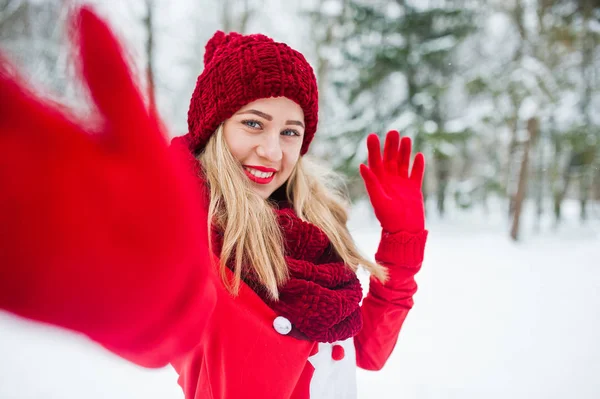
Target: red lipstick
[
  {"x": 260, "y": 180},
  {"x": 261, "y": 168}
]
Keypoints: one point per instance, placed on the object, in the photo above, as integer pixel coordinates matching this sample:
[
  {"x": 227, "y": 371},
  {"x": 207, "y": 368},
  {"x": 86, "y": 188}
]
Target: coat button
[
  {"x": 337, "y": 352},
  {"x": 282, "y": 325}
]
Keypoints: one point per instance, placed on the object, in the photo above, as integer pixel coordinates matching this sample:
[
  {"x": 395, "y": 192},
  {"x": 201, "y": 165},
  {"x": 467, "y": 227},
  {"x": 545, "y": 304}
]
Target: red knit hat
[{"x": 239, "y": 69}]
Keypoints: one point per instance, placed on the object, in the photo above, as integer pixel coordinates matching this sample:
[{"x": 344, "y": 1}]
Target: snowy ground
[{"x": 492, "y": 319}]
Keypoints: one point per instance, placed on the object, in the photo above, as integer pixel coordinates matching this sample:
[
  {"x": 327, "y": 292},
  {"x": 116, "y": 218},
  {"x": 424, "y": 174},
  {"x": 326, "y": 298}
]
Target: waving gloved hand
[
  {"x": 103, "y": 228},
  {"x": 395, "y": 193}
]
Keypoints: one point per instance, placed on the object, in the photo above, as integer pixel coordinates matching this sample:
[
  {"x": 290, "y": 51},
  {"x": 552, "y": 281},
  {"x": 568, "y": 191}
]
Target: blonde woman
[{"x": 226, "y": 254}]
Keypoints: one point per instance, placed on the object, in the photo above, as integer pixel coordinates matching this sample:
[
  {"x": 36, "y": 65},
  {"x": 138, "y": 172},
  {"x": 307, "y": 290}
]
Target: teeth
[{"x": 262, "y": 175}]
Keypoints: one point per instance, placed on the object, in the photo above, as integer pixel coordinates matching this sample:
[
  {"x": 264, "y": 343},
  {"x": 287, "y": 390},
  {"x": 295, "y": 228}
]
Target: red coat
[
  {"x": 224, "y": 346},
  {"x": 240, "y": 355},
  {"x": 103, "y": 234}
]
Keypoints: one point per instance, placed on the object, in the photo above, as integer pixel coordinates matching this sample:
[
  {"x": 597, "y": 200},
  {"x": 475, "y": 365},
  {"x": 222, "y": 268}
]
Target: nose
[{"x": 270, "y": 147}]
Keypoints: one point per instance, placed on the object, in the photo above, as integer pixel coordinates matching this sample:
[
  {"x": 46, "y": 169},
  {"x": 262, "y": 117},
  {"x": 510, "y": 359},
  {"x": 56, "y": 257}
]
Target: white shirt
[{"x": 334, "y": 379}]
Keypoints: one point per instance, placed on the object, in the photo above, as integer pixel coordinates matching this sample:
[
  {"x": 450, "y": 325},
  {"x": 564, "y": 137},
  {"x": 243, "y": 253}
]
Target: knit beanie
[{"x": 240, "y": 69}]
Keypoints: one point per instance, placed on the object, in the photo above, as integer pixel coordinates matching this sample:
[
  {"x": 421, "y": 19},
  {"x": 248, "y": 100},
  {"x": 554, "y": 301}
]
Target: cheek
[
  {"x": 290, "y": 161},
  {"x": 239, "y": 147},
  {"x": 237, "y": 152}
]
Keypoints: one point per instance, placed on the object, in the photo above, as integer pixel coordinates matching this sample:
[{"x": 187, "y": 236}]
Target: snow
[
  {"x": 594, "y": 25},
  {"x": 445, "y": 43},
  {"x": 430, "y": 127},
  {"x": 529, "y": 108},
  {"x": 492, "y": 319}
]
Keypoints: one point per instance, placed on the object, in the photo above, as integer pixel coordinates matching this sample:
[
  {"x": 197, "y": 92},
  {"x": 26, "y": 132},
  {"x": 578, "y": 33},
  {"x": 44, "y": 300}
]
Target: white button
[{"x": 282, "y": 325}]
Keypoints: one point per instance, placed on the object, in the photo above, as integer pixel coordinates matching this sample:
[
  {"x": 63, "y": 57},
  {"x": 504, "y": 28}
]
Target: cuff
[{"x": 402, "y": 249}]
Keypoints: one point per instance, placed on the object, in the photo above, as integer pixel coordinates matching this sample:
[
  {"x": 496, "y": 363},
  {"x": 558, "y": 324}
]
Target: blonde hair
[{"x": 251, "y": 233}]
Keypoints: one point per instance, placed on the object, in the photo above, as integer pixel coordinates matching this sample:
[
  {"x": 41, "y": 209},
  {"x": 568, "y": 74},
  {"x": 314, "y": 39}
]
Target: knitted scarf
[{"x": 321, "y": 297}]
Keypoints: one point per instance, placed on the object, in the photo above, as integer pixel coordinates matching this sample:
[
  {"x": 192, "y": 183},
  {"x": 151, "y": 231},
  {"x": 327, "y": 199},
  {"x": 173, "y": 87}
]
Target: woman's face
[{"x": 265, "y": 136}]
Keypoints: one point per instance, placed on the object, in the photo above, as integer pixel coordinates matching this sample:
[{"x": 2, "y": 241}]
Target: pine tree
[{"x": 393, "y": 68}]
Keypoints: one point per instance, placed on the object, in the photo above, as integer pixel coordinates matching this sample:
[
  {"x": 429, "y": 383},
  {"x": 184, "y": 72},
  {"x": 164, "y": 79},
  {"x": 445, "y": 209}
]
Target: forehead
[{"x": 276, "y": 106}]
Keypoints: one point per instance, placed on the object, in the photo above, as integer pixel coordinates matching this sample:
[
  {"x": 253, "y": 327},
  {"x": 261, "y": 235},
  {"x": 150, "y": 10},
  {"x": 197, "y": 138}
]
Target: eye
[
  {"x": 252, "y": 124},
  {"x": 290, "y": 132}
]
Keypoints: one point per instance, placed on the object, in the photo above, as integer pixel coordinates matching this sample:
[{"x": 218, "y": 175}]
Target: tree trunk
[
  {"x": 518, "y": 17},
  {"x": 560, "y": 194},
  {"x": 226, "y": 22},
  {"x": 245, "y": 17},
  {"x": 587, "y": 73},
  {"x": 539, "y": 183},
  {"x": 586, "y": 185},
  {"x": 510, "y": 163},
  {"x": 442, "y": 174},
  {"x": 442, "y": 163},
  {"x": 596, "y": 185},
  {"x": 532, "y": 129},
  {"x": 231, "y": 21},
  {"x": 149, "y": 24}
]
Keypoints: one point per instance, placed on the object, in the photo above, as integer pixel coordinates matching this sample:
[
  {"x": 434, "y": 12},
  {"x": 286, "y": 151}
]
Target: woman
[{"x": 242, "y": 273}]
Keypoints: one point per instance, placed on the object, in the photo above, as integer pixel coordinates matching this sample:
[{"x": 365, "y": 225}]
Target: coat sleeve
[
  {"x": 146, "y": 295},
  {"x": 386, "y": 306},
  {"x": 146, "y": 315},
  {"x": 103, "y": 229}
]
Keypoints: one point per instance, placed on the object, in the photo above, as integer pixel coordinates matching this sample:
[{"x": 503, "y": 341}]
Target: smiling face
[{"x": 266, "y": 136}]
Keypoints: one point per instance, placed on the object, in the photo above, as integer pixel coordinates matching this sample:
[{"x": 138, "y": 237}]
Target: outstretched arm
[
  {"x": 103, "y": 229},
  {"x": 398, "y": 204}
]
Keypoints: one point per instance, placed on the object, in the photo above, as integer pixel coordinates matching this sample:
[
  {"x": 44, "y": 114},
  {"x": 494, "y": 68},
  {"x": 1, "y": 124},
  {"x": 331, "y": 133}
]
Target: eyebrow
[
  {"x": 269, "y": 117},
  {"x": 297, "y": 123}
]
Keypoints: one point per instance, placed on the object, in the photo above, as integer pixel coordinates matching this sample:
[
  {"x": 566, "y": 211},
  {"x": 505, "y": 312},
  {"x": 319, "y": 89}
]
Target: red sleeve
[
  {"x": 103, "y": 229},
  {"x": 149, "y": 314},
  {"x": 145, "y": 293},
  {"x": 386, "y": 306}
]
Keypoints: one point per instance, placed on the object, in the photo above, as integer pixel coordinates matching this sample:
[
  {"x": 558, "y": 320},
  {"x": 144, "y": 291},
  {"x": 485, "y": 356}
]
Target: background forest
[{"x": 501, "y": 96}]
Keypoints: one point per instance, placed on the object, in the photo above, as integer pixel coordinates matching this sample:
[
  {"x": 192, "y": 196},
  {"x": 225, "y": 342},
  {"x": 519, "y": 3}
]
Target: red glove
[
  {"x": 103, "y": 229},
  {"x": 398, "y": 203},
  {"x": 394, "y": 193}
]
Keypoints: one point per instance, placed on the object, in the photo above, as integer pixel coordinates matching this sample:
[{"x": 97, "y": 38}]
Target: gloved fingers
[
  {"x": 112, "y": 87},
  {"x": 26, "y": 116},
  {"x": 404, "y": 157},
  {"x": 376, "y": 192},
  {"x": 390, "y": 153},
  {"x": 418, "y": 170},
  {"x": 374, "y": 161}
]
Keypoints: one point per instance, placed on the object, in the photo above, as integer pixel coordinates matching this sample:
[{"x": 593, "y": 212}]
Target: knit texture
[
  {"x": 321, "y": 297},
  {"x": 240, "y": 69},
  {"x": 404, "y": 249}
]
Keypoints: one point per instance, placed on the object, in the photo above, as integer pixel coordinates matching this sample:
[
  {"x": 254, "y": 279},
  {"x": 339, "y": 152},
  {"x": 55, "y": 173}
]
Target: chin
[{"x": 264, "y": 192}]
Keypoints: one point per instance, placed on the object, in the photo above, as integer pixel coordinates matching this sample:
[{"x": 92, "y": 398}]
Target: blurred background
[{"x": 502, "y": 97}]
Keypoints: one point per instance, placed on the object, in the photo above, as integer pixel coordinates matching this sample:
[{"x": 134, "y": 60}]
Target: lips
[
  {"x": 261, "y": 168},
  {"x": 260, "y": 174}
]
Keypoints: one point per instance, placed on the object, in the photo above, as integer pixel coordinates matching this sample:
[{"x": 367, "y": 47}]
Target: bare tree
[
  {"x": 532, "y": 131},
  {"x": 517, "y": 15},
  {"x": 11, "y": 11},
  {"x": 33, "y": 34},
  {"x": 149, "y": 26},
  {"x": 234, "y": 21},
  {"x": 322, "y": 33}
]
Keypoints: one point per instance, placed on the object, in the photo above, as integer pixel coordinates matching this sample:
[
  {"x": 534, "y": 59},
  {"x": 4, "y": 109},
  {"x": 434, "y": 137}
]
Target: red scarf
[{"x": 321, "y": 298}]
